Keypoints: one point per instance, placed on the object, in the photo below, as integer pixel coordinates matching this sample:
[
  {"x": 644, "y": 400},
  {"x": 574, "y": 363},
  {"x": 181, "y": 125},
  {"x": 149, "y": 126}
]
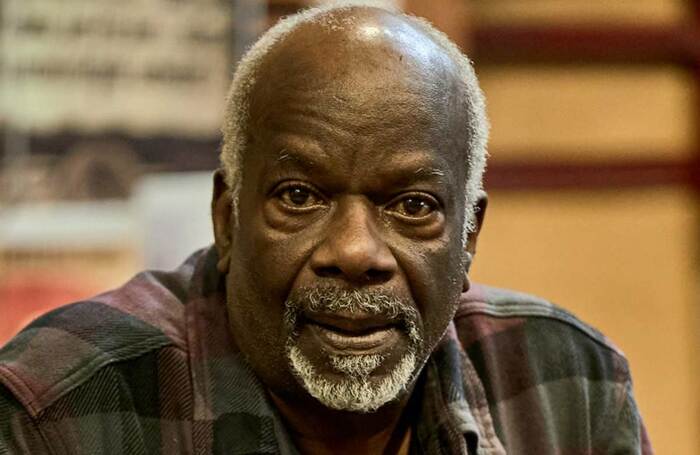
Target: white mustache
[{"x": 331, "y": 299}]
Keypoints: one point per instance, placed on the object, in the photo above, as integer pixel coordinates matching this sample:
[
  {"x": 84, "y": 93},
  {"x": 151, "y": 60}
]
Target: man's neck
[{"x": 316, "y": 429}]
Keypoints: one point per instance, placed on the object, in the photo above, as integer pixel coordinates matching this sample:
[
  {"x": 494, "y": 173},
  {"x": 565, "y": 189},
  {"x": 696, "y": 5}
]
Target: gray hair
[{"x": 236, "y": 116}]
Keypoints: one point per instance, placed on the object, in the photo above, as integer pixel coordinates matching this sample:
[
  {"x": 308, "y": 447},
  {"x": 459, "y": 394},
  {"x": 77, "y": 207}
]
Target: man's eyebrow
[
  {"x": 285, "y": 156},
  {"x": 429, "y": 172},
  {"x": 406, "y": 174}
]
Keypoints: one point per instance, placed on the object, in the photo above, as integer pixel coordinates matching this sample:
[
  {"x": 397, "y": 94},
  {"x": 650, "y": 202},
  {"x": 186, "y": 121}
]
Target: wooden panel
[
  {"x": 576, "y": 11},
  {"x": 589, "y": 42},
  {"x": 589, "y": 113},
  {"x": 555, "y": 175},
  {"x": 625, "y": 261}
]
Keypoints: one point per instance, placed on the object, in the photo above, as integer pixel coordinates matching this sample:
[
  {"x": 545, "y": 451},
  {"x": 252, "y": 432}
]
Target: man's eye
[
  {"x": 414, "y": 206},
  {"x": 298, "y": 197}
]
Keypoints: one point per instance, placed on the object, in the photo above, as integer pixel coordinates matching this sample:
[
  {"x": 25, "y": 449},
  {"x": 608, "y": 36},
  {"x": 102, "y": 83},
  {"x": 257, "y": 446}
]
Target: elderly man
[{"x": 332, "y": 314}]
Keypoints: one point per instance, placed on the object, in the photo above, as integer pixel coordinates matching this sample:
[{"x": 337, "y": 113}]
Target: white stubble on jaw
[{"x": 353, "y": 390}]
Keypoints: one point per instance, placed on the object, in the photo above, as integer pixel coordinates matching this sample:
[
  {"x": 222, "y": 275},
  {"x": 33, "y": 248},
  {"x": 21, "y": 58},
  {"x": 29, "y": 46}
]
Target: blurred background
[{"x": 109, "y": 131}]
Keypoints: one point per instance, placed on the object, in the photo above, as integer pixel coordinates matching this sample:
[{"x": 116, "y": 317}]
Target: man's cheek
[
  {"x": 437, "y": 291},
  {"x": 279, "y": 262},
  {"x": 431, "y": 273}
]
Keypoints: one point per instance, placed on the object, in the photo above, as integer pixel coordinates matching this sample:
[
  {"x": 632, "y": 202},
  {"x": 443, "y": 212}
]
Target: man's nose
[{"x": 353, "y": 249}]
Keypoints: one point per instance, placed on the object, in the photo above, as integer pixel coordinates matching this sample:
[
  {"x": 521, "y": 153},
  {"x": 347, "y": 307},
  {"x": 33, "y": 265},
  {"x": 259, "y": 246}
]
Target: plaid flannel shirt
[{"x": 151, "y": 368}]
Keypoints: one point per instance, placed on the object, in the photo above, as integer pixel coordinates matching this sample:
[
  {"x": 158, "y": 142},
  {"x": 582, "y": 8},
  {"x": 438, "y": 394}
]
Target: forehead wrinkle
[{"x": 301, "y": 120}]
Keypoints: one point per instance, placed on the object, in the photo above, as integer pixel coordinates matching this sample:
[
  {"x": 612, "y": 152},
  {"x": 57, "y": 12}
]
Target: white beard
[
  {"x": 355, "y": 390},
  {"x": 353, "y": 387}
]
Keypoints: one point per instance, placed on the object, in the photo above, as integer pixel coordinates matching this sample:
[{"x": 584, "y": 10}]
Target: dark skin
[{"x": 353, "y": 176}]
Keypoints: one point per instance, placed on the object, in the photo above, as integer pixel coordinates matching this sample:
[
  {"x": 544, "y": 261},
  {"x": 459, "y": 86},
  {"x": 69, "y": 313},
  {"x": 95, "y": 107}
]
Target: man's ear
[
  {"x": 470, "y": 248},
  {"x": 222, "y": 219}
]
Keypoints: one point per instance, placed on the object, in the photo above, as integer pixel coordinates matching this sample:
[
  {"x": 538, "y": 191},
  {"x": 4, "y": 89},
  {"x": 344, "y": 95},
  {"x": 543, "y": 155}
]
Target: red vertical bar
[{"x": 695, "y": 5}]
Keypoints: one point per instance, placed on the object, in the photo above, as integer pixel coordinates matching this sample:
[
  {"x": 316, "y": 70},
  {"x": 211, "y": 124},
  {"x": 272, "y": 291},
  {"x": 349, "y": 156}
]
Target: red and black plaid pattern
[{"x": 151, "y": 368}]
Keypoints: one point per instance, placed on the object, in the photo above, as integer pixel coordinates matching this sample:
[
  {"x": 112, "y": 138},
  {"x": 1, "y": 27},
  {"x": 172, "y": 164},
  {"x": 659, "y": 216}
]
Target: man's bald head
[{"x": 355, "y": 53}]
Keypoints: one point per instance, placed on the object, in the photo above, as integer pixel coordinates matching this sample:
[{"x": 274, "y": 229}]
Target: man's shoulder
[
  {"x": 69, "y": 346},
  {"x": 544, "y": 371},
  {"x": 501, "y": 325}
]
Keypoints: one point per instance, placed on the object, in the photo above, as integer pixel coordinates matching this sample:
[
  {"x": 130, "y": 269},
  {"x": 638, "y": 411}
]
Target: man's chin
[
  {"x": 360, "y": 383},
  {"x": 352, "y": 350}
]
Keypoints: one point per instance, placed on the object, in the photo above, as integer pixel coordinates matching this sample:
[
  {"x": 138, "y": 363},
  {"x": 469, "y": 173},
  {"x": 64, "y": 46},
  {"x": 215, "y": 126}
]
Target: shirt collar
[{"x": 455, "y": 413}]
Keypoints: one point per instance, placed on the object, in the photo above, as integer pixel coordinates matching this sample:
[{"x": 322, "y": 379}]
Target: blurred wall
[{"x": 593, "y": 200}]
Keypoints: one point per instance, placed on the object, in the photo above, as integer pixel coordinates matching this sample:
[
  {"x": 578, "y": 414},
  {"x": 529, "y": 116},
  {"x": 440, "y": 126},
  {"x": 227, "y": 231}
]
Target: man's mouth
[{"x": 360, "y": 334}]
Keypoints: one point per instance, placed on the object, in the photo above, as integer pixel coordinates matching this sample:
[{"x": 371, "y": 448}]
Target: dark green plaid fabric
[{"x": 151, "y": 368}]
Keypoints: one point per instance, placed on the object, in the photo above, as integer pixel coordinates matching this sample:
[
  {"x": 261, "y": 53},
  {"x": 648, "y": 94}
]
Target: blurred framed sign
[{"x": 147, "y": 67}]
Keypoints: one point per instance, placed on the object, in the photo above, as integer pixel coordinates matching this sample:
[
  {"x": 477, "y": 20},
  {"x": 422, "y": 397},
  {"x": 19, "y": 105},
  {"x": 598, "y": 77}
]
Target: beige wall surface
[
  {"x": 576, "y": 11},
  {"x": 625, "y": 261},
  {"x": 589, "y": 113}
]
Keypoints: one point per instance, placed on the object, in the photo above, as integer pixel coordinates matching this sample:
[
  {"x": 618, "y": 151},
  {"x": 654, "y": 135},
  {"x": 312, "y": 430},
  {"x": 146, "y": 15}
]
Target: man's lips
[
  {"x": 351, "y": 323},
  {"x": 344, "y": 332},
  {"x": 343, "y": 341}
]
